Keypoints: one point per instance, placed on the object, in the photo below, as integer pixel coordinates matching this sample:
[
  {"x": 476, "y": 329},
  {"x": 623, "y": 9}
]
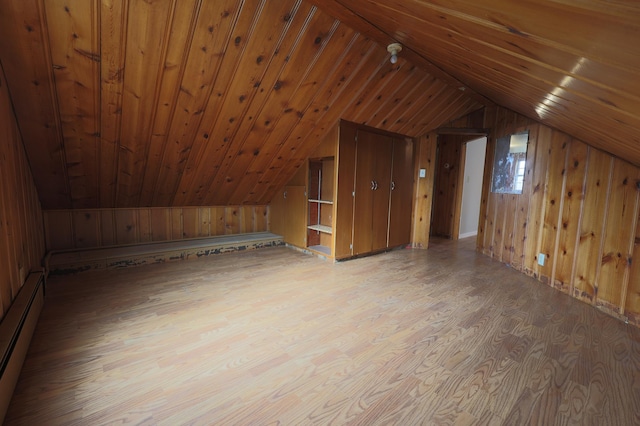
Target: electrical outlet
[{"x": 541, "y": 259}]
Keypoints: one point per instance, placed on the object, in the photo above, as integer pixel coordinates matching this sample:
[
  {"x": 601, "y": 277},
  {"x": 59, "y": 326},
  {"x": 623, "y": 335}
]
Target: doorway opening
[{"x": 457, "y": 190}]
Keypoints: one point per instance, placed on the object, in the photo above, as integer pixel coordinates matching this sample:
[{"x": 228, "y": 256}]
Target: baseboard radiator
[{"x": 16, "y": 330}]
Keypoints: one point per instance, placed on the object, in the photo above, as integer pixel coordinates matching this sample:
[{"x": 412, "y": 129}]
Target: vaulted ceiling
[
  {"x": 570, "y": 64},
  {"x": 125, "y": 103}
]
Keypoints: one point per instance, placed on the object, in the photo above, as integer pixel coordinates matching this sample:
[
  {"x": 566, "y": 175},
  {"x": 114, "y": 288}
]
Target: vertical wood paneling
[
  {"x": 498, "y": 226},
  {"x": 75, "y": 52},
  {"x": 15, "y": 225},
  {"x": 582, "y": 214},
  {"x": 107, "y": 227},
  {"x": 59, "y": 229},
  {"x": 536, "y": 204},
  {"x": 144, "y": 58},
  {"x": 126, "y": 226},
  {"x": 232, "y": 220},
  {"x": 423, "y": 198},
  {"x": 618, "y": 235},
  {"x": 293, "y": 90},
  {"x": 508, "y": 232},
  {"x": 70, "y": 229},
  {"x": 488, "y": 121},
  {"x": 571, "y": 215},
  {"x": 492, "y": 206},
  {"x": 242, "y": 87},
  {"x": 206, "y": 50},
  {"x": 177, "y": 51},
  {"x": 204, "y": 222},
  {"x": 113, "y": 23},
  {"x": 24, "y": 50},
  {"x": 86, "y": 231},
  {"x": 210, "y": 142},
  {"x": 553, "y": 200},
  {"x": 22, "y": 243},
  {"x": 160, "y": 224},
  {"x": 190, "y": 222},
  {"x": 591, "y": 226},
  {"x": 176, "y": 223},
  {"x": 145, "y": 232},
  {"x": 632, "y": 302}
]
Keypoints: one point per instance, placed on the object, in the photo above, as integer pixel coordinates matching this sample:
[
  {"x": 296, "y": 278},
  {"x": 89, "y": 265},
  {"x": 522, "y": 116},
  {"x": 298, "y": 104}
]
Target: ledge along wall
[
  {"x": 21, "y": 233},
  {"x": 579, "y": 207},
  {"x": 89, "y": 228}
]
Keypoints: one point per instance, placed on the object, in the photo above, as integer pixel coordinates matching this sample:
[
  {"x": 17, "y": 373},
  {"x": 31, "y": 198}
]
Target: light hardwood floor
[{"x": 273, "y": 336}]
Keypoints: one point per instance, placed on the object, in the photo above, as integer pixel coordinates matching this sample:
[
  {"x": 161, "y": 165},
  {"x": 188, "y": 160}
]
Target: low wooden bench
[{"x": 79, "y": 260}]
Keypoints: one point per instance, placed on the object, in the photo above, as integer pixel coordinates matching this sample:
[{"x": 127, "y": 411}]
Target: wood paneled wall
[
  {"x": 423, "y": 194},
  {"x": 21, "y": 233},
  {"x": 579, "y": 207},
  {"x": 69, "y": 229}
]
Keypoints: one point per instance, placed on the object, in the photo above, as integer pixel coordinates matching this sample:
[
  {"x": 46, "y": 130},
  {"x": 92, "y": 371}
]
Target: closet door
[
  {"x": 372, "y": 185},
  {"x": 381, "y": 193},
  {"x": 401, "y": 201}
]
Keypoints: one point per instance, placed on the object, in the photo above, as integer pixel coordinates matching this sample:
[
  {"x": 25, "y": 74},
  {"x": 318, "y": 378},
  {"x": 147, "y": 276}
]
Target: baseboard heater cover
[{"x": 16, "y": 330}]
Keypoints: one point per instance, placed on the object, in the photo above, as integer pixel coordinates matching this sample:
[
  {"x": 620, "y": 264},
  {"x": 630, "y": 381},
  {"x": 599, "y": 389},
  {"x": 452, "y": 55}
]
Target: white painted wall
[{"x": 472, "y": 187}]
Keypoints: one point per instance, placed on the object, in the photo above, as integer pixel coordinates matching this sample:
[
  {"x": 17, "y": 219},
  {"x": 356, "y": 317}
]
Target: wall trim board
[{"x": 16, "y": 330}]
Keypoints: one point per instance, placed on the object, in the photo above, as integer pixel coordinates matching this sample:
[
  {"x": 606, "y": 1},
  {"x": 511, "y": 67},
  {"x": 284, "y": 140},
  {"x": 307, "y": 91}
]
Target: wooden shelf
[
  {"x": 321, "y": 177},
  {"x": 321, "y": 228},
  {"x": 321, "y": 249}
]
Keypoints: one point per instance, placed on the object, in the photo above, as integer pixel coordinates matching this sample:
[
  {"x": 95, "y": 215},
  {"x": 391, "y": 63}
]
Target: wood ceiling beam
[{"x": 344, "y": 14}]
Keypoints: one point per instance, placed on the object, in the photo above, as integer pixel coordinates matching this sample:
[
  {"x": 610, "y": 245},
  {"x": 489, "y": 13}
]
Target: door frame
[{"x": 472, "y": 134}]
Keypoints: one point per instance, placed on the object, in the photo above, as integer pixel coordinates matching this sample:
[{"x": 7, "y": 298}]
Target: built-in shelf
[
  {"x": 321, "y": 249},
  {"x": 320, "y": 201},
  {"x": 321, "y": 228}
]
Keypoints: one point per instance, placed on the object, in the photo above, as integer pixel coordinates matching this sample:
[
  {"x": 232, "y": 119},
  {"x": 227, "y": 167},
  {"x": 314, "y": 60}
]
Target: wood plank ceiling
[
  {"x": 125, "y": 103},
  {"x": 572, "y": 65}
]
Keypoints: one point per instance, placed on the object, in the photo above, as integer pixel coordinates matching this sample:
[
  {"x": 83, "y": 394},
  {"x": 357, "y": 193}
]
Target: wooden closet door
[
  {"x": 363, "y": 201},
  {"x": 383, "y": 147},
  {"x": 373, "y": 179},
  {"x": 401, "y": 201}
]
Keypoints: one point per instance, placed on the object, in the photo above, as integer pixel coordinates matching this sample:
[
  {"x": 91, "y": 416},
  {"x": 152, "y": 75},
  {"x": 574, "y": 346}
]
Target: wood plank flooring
[{"x": 274, "y": 336}]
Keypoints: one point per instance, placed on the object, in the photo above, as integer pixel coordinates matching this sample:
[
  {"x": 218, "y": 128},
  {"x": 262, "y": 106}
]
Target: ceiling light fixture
[{"x": 394, "y": 49}]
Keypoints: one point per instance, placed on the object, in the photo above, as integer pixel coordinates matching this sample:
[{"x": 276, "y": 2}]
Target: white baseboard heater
[{"x": 16, "y": 330}]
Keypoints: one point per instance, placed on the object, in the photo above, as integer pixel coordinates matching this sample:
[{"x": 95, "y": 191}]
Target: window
[
  {"x": 509, "y": 163},
  {"x": 520, "y": 175}
]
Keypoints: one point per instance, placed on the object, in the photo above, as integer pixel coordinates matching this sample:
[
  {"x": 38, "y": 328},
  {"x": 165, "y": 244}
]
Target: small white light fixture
[{"x": 394, "y": 49}]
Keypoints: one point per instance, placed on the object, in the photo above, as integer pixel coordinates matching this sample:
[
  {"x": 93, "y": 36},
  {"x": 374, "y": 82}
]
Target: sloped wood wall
[
  {"x": 70, "y": 229},
  {"x": 21, "y": 234},
  {"x": 579, "y": 208},
  {"x": 139, "y": 103}
]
